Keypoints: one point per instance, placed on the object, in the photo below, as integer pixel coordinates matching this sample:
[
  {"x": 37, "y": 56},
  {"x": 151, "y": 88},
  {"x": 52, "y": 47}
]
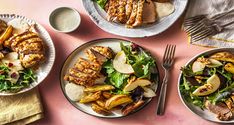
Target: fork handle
[{"x": 162, "y": 95}]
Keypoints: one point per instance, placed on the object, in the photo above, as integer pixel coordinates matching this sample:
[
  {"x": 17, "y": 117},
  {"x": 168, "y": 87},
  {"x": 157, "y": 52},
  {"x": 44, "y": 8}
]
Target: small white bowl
[{"x": 65, "y": 19}]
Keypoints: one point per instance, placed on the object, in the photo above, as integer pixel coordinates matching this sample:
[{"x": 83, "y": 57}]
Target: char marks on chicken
[
  {"x": 86, "y": 72},
  {"x": 29, "y": 46},
  {"x": 132, "y": 13}
]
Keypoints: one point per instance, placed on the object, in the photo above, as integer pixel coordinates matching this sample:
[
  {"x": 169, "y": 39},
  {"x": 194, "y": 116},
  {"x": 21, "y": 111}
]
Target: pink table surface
[{"x": 58, "y": 111}]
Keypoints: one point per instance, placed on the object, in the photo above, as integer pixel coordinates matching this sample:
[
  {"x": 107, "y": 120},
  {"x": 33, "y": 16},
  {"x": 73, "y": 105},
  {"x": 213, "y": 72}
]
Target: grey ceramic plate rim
[
  {"x": 49, "y": 44},
  {"x": 157, "y": 81},
  {"x": 144, "y": 31},
  {"x": 188, "y": 105}
]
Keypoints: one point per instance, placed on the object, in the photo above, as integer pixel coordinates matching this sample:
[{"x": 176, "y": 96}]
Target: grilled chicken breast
[
  {"x": 220, "y": 109},
  {"x": 30, "y": 47},
  {"x": 86, "y": 72},
  {"x": 138, "y": 20},
  {"x": 133, "y": 13},
  {"x": 121, "y": 15}
]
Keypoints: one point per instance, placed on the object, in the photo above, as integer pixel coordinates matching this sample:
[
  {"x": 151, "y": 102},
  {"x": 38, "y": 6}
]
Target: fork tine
[
  {"x": 172, "y": 53},
  {"x": 203, "y": 33},
  {"x": 200, "y": 33},
  {"x": 196, "y": 27},
  {"x": 165, "y": 53},
  {"x": 192, "y": 21},
  {"x": 202, "y": 37},
  {"x": 194, "y": 18}
]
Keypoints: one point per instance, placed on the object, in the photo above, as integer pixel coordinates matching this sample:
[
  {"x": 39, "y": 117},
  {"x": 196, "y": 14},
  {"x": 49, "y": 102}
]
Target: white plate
[
  {"x": 98, "y": 16},
  {"x": 205, "y": 114},
  {"x": 44, "y": 68},
  {"x": 114, "y": 44}
]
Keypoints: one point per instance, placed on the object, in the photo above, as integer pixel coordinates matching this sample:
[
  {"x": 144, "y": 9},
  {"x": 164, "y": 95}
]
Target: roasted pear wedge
[
  {"x": 99, "y": 88},
  {"x": 211, "y": 86},
  {"x": 229, "y": 67},
  {"x": 223, "y": 56},
  {"x": 117, "y": 100}
]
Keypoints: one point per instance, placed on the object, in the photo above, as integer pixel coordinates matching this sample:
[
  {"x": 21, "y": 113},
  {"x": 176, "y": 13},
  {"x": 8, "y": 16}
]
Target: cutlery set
[{"x": 203, "y": 26}]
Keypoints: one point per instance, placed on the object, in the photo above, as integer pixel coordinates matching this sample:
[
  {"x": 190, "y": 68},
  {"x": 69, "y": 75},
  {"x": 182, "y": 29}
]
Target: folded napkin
[
  {"x": 213, "y": 7},
  {"x": 21, "y": 109}
]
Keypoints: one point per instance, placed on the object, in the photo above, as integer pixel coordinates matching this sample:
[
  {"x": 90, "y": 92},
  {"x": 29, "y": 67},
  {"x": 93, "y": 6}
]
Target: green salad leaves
[
  {"x": 190, "y": 81},
  {"x": 26, "y": 77},
  {"x": 101, "y": 3},
  {"x": 114, "y": 77},
  {"x": 142, "y": 62}
]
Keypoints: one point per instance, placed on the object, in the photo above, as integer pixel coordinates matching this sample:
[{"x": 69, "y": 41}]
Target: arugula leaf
[
  {"x": 186, "y": 90},
  {"x": 115, "y": 78},
  {"x": 27, "y": 76},
  {"x": 101, "y": 3},
  {"x": 188, "y": 72},
  {"x": 142, "y": 63}
]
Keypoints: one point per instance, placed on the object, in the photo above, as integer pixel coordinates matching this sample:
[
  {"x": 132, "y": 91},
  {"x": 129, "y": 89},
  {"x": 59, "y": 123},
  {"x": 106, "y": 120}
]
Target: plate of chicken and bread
[
  {"x": 109, "y": 78},
  {"x": 134, "y": 18},
  {"x": 206, "y": 85},
  {"x": 27, "y": 54}
]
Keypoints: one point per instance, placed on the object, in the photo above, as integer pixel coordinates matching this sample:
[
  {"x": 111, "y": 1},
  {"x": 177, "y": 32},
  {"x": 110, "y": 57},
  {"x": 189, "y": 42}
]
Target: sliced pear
[
  {"x": 211, "y": 86},
  {"x": 11, "y": 56},
  {"x": 117, "y": 100},
  {"x": 214, "y": 63},
  {"x": 13, "y": 76},
  {"x": 119, "y": 63},
  {"x": 139, "y": 82},
  {"x": 148, "y": 92},
  {"x": 198, "y": 66}
]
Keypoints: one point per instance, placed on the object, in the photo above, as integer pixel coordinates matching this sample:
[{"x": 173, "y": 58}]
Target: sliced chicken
[
  {"x": 220, "y": 109},
  {"x": 99, "y": 54},
  {"x": 83, "y": 64},
  {"x": 138, "y": 20},
  {"x": 132, "y": 17},
  {"x": 112, "y": 10},
  {"x": 149, "y": 13},
  {"x": 128, "y": 8},
  {"x": 105, "y": 51},
  {"x": 121, "y": 16},
  {"x": 86, "y": 72},
  {"x": 29, "y": 46}
]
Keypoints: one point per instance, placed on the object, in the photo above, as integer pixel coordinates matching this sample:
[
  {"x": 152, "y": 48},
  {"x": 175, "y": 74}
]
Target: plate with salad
[
  {"x": 109, "y": 78},
  {"x": 206, "y": 85},
  {"x": 27, "y": 54}
]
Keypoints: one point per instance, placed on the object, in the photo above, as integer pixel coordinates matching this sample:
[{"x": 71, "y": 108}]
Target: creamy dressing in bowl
[{"x": 65, "y": 19}]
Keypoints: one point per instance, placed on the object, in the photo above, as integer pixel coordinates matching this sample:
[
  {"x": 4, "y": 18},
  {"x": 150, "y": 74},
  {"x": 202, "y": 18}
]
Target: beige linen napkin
[
  {"x": 212, "y": 7},
  {"x": 21, "y": 109}
]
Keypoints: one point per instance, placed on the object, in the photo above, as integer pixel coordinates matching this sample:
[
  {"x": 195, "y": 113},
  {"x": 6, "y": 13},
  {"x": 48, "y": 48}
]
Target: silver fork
[
  {"x": 209, "y": 31},
  {"x": 193, "y": 24},
  {"x": 168, "y": 60}
]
